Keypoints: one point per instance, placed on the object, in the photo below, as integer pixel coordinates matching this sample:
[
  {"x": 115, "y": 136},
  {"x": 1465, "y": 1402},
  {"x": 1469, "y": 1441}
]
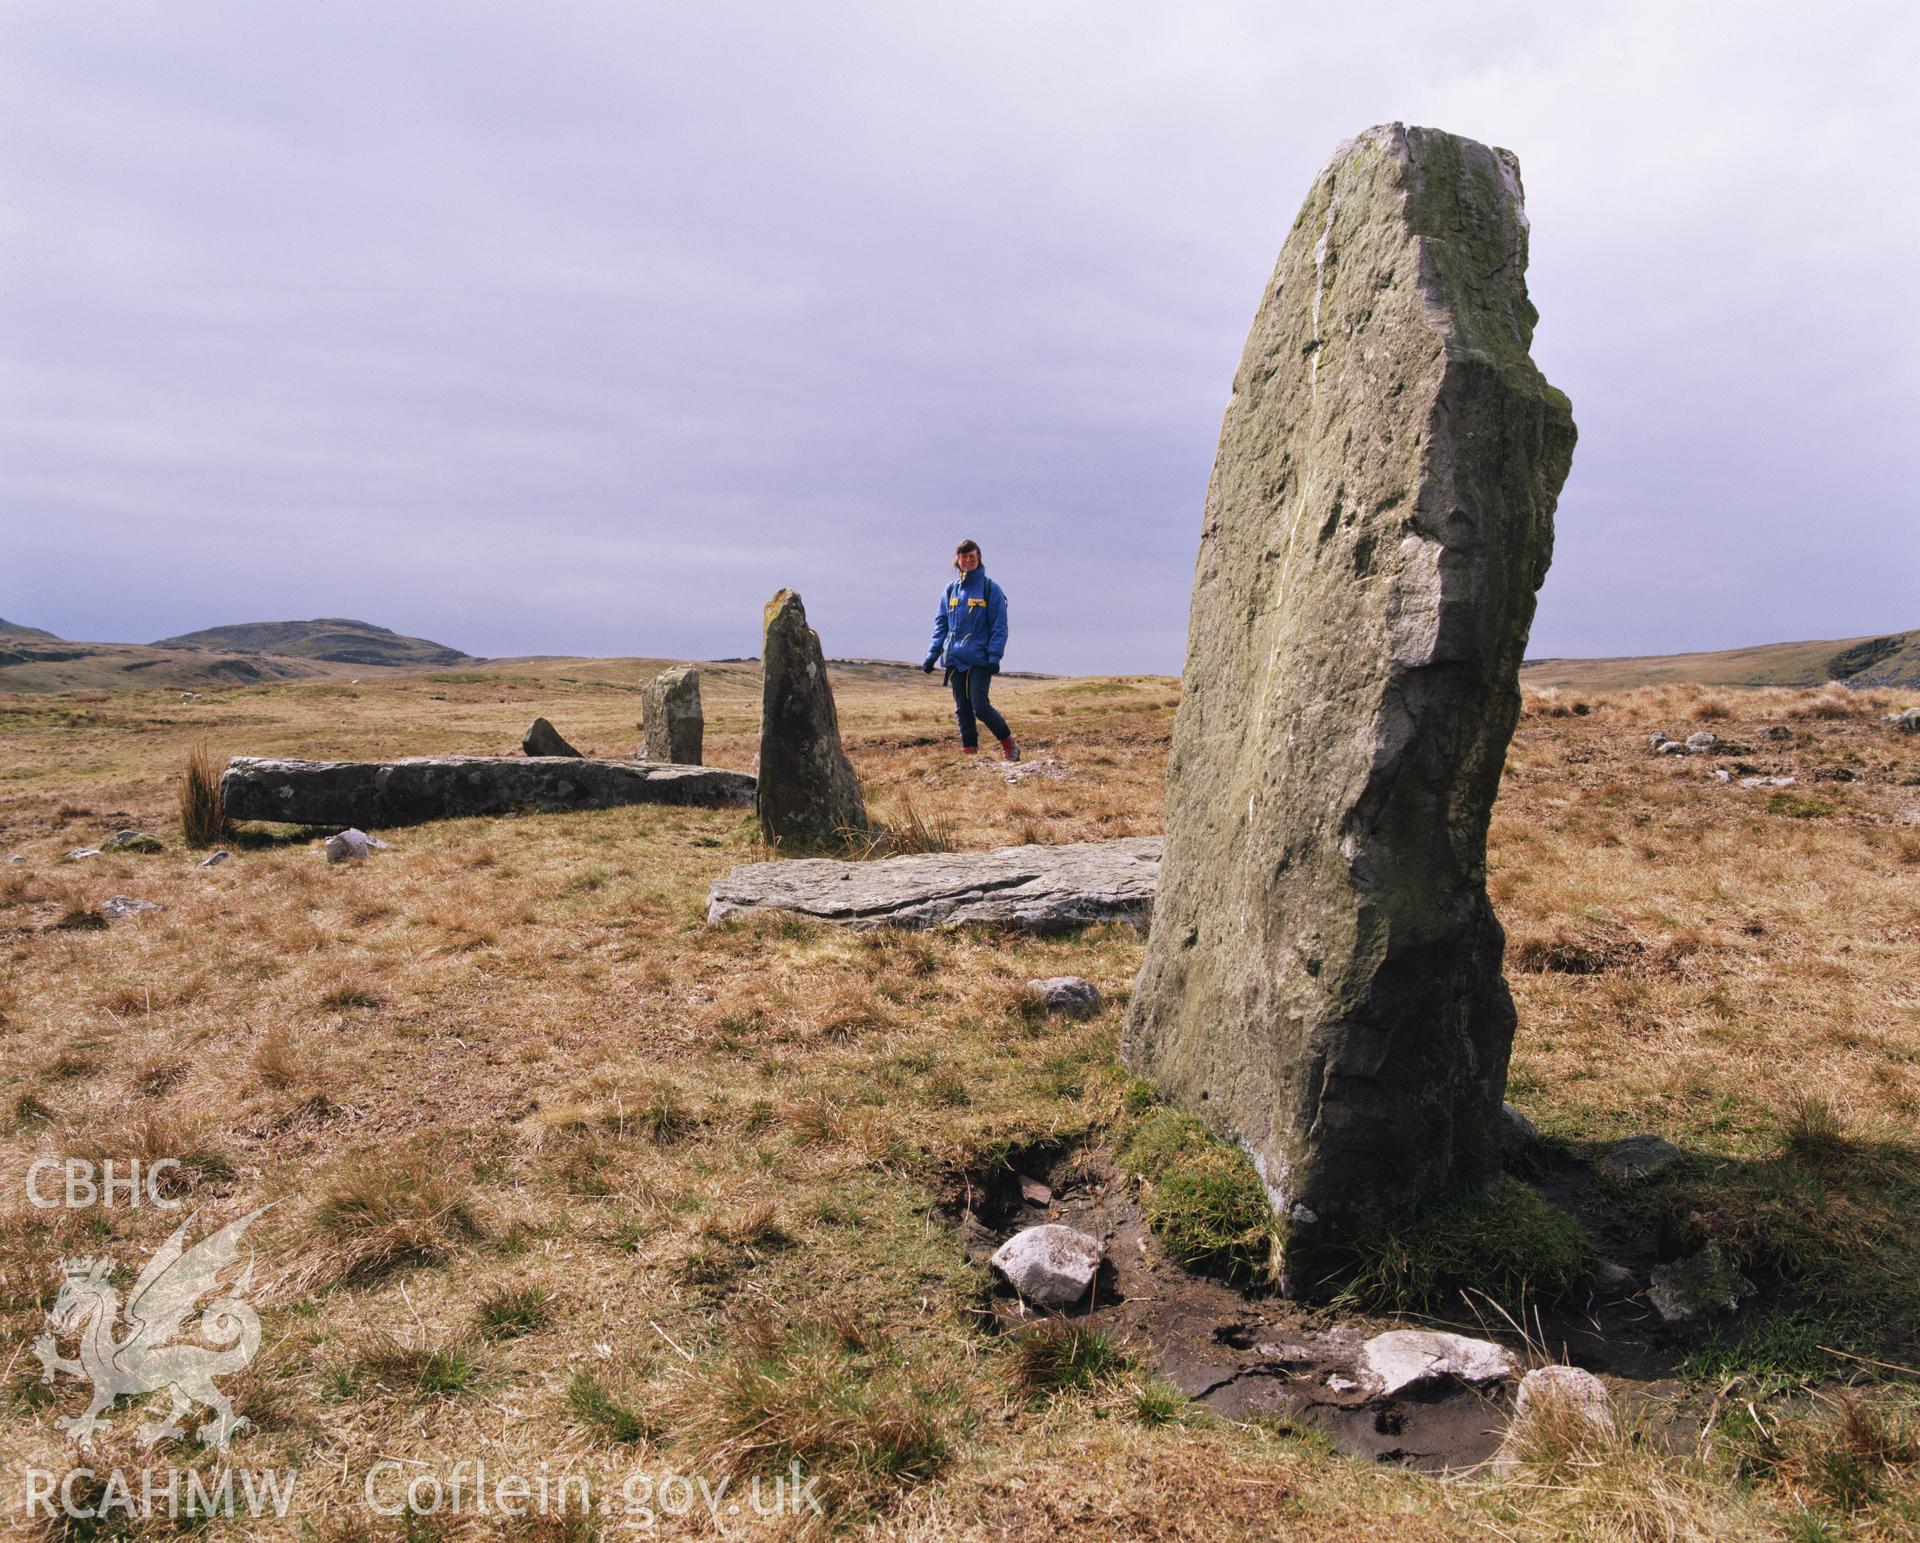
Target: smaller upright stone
[
  {"x": 672, "y": 725},
  {"x": 806, "y": 790},
  {"x": 542, "y": 738}
]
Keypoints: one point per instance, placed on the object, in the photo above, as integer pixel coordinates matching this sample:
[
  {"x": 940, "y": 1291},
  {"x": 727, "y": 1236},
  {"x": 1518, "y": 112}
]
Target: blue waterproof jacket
[{"x": 971, "y": 624}]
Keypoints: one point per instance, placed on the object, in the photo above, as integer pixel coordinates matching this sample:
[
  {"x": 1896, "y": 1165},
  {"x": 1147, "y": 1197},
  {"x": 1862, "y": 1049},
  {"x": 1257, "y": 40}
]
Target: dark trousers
[{"x": 970, "y": 702}]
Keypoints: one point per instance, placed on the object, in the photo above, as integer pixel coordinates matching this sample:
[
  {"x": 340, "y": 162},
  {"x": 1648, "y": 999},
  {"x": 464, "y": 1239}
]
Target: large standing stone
[
  {"x": 1322, "y": 980},
  {"x": 672, "y": 725},
  {"x": 807, "y": 790}
]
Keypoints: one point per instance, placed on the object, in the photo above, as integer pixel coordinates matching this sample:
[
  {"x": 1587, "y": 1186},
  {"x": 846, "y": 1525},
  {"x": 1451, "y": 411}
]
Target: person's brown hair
[{"x": 969, "y": 546}]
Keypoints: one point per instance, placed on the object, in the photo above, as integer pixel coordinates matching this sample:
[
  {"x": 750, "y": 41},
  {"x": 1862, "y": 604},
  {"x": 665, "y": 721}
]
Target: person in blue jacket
[{"x": 971, "y": 628}]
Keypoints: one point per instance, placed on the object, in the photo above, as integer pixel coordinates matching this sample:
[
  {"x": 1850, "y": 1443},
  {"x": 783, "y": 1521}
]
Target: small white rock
[
  {"x": 215, "y": 859},
  {"x": 352, "y": 845},
  {"x": 1405, "y": 1358},
  {"x": 79, "y": 852},
  {"x": 1579, "y": 1391},
  {"x": 1338, "y": 1384},
  {"x": 1705, "y": 740},
  {"x": 1050, "y": 1266}
]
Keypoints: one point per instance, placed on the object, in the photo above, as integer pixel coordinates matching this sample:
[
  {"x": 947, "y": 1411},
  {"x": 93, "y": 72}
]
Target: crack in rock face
[{"x": 1323, "y": 978}]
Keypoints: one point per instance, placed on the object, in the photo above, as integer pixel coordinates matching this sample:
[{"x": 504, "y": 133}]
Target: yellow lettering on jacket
[{"x": 972, "y": 603}]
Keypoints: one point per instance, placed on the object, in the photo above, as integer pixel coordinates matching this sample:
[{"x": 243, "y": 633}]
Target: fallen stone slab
[
  {"x": 1034, "y": 888},
  {"x": 377, "y": 795},
  {"x": 1400, "y": 1359},
  {"x": 1050, "y": 1266}
]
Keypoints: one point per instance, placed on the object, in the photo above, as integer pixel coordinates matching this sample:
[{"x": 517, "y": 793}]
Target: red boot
[
  {"x": 1010, "y": 748},
  {"x": 969, "y": 749}
]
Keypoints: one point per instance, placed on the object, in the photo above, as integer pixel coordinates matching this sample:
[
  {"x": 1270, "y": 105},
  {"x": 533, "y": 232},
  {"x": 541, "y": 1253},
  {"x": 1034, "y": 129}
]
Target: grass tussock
[
  {"x": 203, "y": 811},
  {"x": 1203, "y": 1200},
  {"x": 1509, "y": 1246},
  {"x": 853, "y": 1410},
  {"x": 1059, "y": 1355},
  {"x": 378, "y": 1216}
]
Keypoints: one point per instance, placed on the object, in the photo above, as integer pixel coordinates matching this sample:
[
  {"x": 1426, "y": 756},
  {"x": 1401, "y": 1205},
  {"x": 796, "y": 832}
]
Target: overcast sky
[{"x": 581, "y": 327}]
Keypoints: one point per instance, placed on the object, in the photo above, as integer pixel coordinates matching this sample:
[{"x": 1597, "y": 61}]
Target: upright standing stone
[
  {"x": 806, "y": 790},
  {"x": 542, "y": 738},
  {"x": 1322, "y": 979},
  {"x": 672, "y": 725}
]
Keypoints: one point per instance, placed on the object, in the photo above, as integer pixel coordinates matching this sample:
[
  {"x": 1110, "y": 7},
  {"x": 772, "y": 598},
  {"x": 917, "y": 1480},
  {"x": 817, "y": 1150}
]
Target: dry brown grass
[
  {"x": 508, "y": 1057},
  {"x": 203, "y": 809}
]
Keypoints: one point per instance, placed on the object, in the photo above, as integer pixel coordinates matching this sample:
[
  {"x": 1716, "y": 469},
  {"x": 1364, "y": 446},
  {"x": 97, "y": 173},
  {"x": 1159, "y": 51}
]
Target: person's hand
[
  {"x": 927, "y": 668},
  {"x": 993, "y": 669}
]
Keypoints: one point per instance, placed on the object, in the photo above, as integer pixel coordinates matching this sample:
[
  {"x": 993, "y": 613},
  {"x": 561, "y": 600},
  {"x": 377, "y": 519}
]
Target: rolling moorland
[
  {"x": 246, "y": 653},
  {"x": 563, "y": 1175}
]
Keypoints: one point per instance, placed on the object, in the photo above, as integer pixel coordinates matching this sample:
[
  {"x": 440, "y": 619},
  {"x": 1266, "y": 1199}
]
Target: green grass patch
[
  {"x": 1509, "y": 1245},
  {"x": 1203, "y": 1200},
  {"x": 1060, "y": 1355},
  {"x": 1825, "y": 1225},
  {"x": 610, "y": 1419}
]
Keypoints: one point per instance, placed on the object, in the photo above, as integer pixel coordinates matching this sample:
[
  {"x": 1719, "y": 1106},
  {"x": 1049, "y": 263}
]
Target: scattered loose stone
[
  {"x": 1657, "y": 739},
  {"x": 1908, "y": 722},
  {"x": 673, "y": 725},
  {"x": 79, "y": 853},
  {"x": 1338, "y": 1384},
  {"x": 1641, "y": 1157},
  {"x": 1616, "y": 1278},
  {"x": 1034, "y": 888},
  {"x": 1700, "y": 1285},
  {"x": 1067, "y": 994},
  {"x": 542, "y": 738},
  {"x": 352, "y": 846},
  {"x": 131, "y": 841},
  {"x": 119, "y": 906},
  {"x": 1034, "y": 1192},
  {"x": 1779, "y": 731},
  {"x": 16, "y": 857},
  {"x": 1050, "y": 1266},
  {"x": 1406, "y": 1358},
  {"x": 1672, "y": 747},
  {"x": 1520, "y": 1131},
  {"x": 1045, "y": 768},
  {"x": 215, "y": 859},
  {"x": 807, "y": 790},
  {"x": 1322, "y": 981},
  {"x": 1570, "y": 1388},
  {"x": 1721, "y": 774},
  {"x": 1768, "y": 782},
  {"x": 1701, "y": 743}
]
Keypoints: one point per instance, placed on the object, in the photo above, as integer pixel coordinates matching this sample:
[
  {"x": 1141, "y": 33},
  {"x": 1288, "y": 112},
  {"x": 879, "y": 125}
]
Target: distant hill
[
  {"x": 13, "y": 629},
  {"x": 335, "y": 639},
  {"x": 1888, "y": 660}
]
